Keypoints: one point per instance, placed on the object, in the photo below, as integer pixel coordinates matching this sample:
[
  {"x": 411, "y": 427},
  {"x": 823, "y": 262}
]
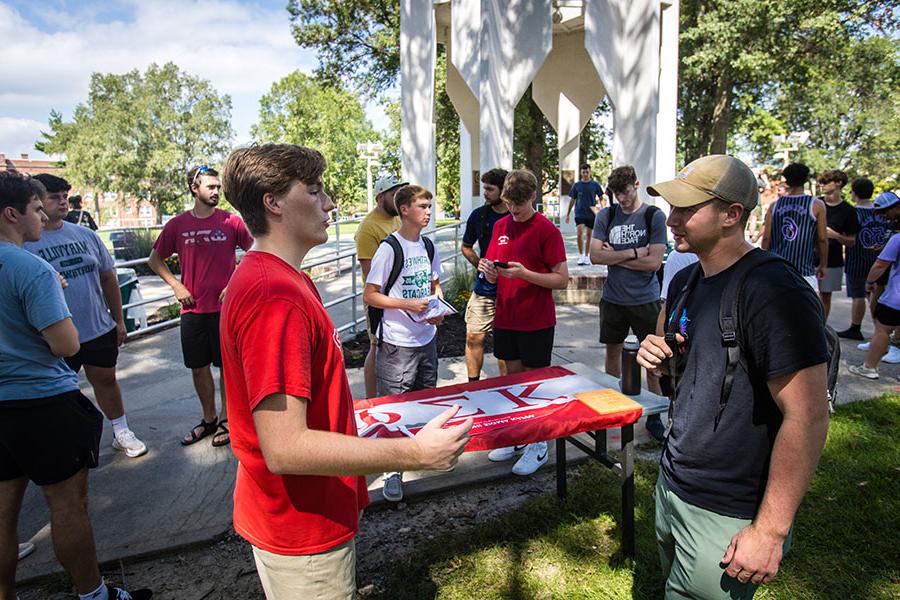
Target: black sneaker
[
  {"x": 120, "y": 594},
  {"x": 656, "y": 428},
  {"x": 851, "y": 333}
]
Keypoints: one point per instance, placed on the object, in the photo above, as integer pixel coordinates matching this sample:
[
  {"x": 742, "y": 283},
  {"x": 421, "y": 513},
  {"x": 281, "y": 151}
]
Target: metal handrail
[{"x": 352, "y": 297}]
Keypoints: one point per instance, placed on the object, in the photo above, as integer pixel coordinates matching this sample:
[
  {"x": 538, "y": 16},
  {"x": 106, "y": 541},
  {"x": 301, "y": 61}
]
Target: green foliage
[
  {"x": 355, "y": 40},
  {"x": 300, "y": 110},
  {"x": 140, "y": 133},
  {"x": 446, "y": 140},
  {"x": 458, "y": 288},
  {"x": 739, "y": 56}
]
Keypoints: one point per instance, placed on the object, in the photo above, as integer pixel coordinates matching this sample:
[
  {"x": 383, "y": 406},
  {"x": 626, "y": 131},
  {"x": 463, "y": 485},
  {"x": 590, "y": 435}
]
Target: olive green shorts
[{"x": 692, "y": 542}]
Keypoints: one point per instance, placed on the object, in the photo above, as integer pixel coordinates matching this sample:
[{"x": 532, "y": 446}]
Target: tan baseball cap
[{"x": 713, "y": 176}]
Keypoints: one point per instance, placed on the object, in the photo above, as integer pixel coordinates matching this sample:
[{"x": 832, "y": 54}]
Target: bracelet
[{"x": 635, "y": 253}]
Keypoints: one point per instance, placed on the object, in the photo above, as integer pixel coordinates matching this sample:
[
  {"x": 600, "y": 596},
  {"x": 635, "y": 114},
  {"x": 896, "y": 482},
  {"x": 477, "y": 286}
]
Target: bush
[{"x": 458, "y": 288}]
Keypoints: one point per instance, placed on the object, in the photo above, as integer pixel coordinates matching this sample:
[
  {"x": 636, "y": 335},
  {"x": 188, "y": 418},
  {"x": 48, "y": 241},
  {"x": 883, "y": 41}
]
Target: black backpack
[
  {"x": 648, "y": 221},
  {"x": 376, "y": 314},
  {"x": 729, "y": 324}
]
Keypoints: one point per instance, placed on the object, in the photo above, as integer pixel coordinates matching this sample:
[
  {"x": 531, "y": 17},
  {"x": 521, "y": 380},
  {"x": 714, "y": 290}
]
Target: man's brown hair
[
  {"x": 834, "y": 175},
  {"x": 519, "y": 187},
  {"x": 621, "y": 178},
  {"x": 408, "y": 194},
  {"x": 250, "y": 173}
]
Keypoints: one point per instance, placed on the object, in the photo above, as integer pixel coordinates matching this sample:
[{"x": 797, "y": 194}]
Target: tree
[
  {"x": 299, "y": 110},
  {"x": 355, "y": 40},
  {"x": 734, "y": 53},
  {"x": 138, "y": 134}
]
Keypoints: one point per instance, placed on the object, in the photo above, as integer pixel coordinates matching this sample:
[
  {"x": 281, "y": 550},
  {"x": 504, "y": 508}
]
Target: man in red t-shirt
[
  {"x": 205, "y": 239},
  {"x": 527, "y": 260},
  {"x": 299, "y": 489}
]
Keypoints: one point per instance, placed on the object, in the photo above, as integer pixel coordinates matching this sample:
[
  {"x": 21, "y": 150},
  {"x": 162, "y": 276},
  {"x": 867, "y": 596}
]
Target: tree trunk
[{"x": 721, "y": 117}]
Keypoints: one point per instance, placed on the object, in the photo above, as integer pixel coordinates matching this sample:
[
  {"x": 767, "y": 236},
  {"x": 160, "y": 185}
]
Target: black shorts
[
  {"x": 586, "y": 221},
  {"x": 48, "y": 440},
  {"x": 98, "y": 352},
  {"x": 200, "y": 340},
  {"x": 616, "y": 319},
  {"x": 887, "y": 315},
  {"x": 533, "y": 348}
]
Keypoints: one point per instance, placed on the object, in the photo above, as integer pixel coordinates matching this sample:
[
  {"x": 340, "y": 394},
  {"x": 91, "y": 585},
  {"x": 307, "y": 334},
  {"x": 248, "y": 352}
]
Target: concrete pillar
[
  {"x": 468, "y": 192},
  {"x": 623, "y": 39},
  {"x": 568, "y": 90},
  {"x": 417, "y": 62},
  {"x": 668, "y": 95},
  {"x": 516, "y": 36}
]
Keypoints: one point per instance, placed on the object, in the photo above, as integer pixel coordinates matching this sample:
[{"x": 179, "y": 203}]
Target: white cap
[{"x": 385, "y": 184}]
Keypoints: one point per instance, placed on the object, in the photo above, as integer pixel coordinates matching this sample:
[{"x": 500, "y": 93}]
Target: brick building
[{"x": 110, "y": 209}]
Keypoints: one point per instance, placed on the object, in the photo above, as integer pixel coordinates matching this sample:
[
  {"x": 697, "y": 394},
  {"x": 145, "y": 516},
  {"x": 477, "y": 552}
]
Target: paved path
[{"x": 175, "y": 496}]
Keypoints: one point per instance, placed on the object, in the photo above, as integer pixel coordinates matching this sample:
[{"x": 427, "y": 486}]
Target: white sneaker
[
  {"x": 863, "y": 371},
  {"x": 864, "y": 346},
  {"x": 501, "y": 454},
  {"x": 128, "y": 442},
  {"x": 535, "y": 456},
  {"x": 392, "y": 487},
  {"x": 893, "y": 355},
  {"x": 587, "y": 259},
  {"x": 580, "y": 260}
]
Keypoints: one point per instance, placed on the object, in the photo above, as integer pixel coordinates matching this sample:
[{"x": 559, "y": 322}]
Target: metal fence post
[
  {"x": 353, "y": 289},
  {"x": 337, "y": 248}
]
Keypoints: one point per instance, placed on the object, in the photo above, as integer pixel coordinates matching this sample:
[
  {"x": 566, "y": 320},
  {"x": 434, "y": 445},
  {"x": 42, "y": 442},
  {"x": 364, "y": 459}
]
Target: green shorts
[{"x": 691, "y": 542}]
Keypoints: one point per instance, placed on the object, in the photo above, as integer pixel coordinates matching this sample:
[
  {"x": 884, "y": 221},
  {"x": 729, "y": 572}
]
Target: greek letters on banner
[{"x": 534, "y": 406}]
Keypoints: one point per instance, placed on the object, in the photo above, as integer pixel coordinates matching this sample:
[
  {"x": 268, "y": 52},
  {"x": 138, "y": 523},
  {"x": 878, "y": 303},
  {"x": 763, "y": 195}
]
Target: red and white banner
[{"x": 534, "y": 406}]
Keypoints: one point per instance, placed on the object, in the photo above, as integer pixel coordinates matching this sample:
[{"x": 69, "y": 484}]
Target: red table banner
[{"x": 534, "y": 406}]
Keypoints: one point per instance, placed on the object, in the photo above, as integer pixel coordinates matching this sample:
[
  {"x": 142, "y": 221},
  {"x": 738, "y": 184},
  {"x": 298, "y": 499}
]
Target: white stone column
[
  {"x": 516, "y": 36},
  {"x": 666, "y": 120},
  {"x": 417, "y": 63},
  {"x": 623, "y": 39},
  {"x": 568, "y": 90},
  {"x": 467, "y": 194}
]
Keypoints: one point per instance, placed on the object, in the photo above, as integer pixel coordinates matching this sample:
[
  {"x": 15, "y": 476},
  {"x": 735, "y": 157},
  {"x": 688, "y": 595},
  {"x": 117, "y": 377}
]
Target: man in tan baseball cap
[{"x": 733, "y": 432}]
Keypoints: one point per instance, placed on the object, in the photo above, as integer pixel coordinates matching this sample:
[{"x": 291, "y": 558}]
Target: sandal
[
  {"x": 206, "y": 429},
  {"x": 222, "y": 437}
]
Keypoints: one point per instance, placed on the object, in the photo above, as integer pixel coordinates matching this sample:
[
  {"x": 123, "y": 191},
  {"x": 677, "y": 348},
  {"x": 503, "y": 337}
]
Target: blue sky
[{"x": 51, "y": 47}]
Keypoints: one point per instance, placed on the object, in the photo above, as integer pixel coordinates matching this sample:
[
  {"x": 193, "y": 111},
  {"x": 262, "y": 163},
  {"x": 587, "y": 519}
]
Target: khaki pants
[{"x": 329, "y": 575}]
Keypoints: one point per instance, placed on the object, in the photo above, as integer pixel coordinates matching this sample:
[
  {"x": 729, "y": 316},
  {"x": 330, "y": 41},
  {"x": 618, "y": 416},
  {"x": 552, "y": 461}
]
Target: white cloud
[
  {"x": 241, "y": 48},
  {"x": 17, "y": 136}
]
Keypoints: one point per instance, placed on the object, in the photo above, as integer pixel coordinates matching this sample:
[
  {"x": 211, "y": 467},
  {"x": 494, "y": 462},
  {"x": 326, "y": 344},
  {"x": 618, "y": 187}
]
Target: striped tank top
[
  {"x": 874, "y": 231},
  {"x": 794, "y": 232}
]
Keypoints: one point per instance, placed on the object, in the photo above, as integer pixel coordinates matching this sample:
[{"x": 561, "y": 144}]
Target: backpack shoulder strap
[
  {"x": 397, "y": 265},
  {"x": 648, "y": 218},
  {"x": 609, "y": 221},
  {"x": 429, "y": 248},
  {"x": 729, "y": 320}
]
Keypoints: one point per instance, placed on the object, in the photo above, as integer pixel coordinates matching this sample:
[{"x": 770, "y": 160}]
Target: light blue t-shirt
[
  {"x": 78, "y": 254},
  {"x": 891, "y": 253},
  {"x": 32, "y": 300}
]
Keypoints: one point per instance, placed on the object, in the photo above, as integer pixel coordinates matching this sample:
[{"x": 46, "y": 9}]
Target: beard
[
  {"x": 391, "y": 209},
  {"x": 211, "y": 201}
]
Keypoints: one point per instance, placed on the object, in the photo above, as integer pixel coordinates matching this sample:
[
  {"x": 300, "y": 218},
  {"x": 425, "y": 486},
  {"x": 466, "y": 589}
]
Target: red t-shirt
[
  {"x": 277, "y": 338},
  {"x": 205, "y": 249},
  {"x": 537, "y": 244}
]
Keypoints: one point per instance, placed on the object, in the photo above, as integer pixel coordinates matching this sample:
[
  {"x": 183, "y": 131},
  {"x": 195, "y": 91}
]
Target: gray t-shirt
[
  {"x": 78, "y": 254},
  {"x": 626, "y": 286}
]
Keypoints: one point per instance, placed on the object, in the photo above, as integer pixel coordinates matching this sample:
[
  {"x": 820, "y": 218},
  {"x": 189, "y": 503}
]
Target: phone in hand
[{"x": 501, "y": 265}]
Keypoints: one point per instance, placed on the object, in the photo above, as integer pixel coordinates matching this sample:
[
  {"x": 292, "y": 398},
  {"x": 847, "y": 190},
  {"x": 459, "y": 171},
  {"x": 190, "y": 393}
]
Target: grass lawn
[{"x": 844, "y": 544}]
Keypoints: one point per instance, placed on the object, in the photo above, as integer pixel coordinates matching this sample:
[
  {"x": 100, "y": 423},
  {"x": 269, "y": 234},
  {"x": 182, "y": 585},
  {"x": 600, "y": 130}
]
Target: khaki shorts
[
  {"x": 480, "y": 314},
  {"x": 329, "y": 575}
]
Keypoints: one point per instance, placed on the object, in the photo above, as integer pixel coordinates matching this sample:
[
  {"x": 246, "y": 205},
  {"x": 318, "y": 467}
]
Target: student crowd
[{"x": 723, "y": 521}]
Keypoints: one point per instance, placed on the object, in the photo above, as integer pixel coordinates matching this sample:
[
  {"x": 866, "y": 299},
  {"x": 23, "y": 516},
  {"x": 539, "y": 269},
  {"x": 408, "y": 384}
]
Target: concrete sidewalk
[{"x": 176, "y": 496}]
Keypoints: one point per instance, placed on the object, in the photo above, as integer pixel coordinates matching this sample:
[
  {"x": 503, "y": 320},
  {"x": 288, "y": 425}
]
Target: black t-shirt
[
  {"x": 782, "y": 325},
  {"x": 842, "y": 218},
  {"x": 480, "y": 228}
]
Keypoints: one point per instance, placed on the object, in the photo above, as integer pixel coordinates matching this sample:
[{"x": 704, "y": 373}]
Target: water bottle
[{"x": 631, "y": 371}]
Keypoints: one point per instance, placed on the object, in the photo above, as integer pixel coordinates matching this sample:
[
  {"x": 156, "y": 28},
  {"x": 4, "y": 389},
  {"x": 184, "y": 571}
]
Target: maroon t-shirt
[
  {"x": 206, "y": 253},
  {"x": 538, "y": 245}
]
